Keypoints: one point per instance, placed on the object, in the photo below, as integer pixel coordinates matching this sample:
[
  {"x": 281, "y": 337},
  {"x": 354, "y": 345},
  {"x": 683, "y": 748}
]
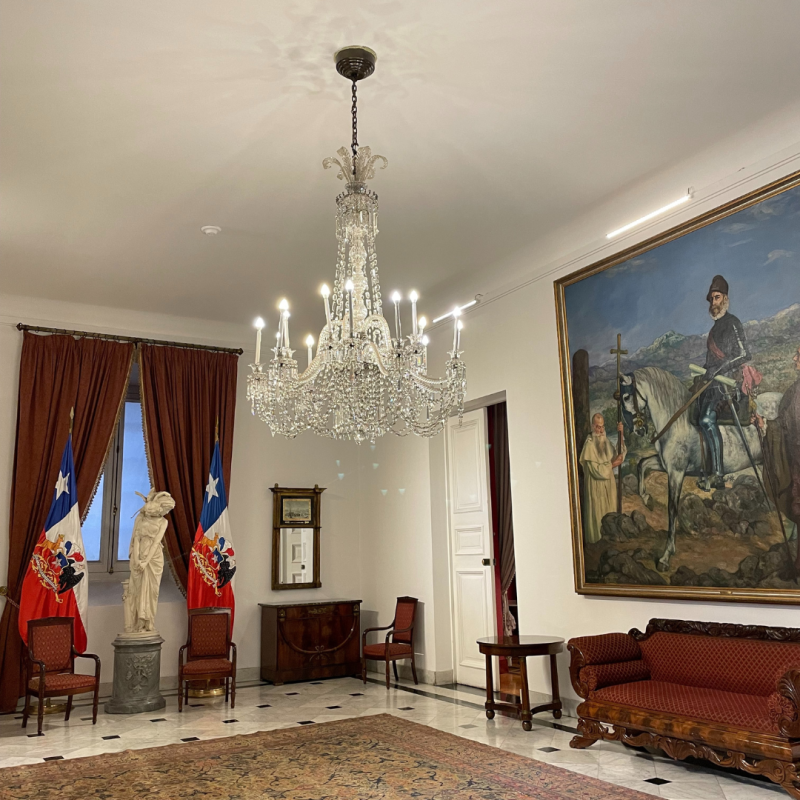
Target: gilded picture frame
[{"x": 689, "y": 526}]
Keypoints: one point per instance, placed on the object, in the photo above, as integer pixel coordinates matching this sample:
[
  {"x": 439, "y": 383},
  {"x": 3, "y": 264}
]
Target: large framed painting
[{"x": 680, "y": 366}]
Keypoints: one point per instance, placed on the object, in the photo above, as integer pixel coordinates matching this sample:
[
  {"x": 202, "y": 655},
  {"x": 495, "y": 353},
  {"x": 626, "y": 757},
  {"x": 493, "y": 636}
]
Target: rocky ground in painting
[{"x": 730, "y": 538}]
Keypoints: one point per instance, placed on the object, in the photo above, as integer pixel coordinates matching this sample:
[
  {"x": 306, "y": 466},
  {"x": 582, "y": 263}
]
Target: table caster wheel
[
  {"x": 489, "y": 714},
  {"x": 557, "y": 714},
  {"x": 526, "y": 725}
]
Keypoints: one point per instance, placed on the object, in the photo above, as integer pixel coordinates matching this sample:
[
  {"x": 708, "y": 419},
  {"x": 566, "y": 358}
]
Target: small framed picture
[{"x": 296, "y": 510}]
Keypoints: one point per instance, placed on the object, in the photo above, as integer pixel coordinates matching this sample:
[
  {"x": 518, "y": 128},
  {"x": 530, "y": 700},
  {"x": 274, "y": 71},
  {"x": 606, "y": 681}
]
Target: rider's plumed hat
[{"x": 718, "y": 284}]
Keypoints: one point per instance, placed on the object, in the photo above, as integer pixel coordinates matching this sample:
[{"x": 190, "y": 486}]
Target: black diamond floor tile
[
  {"x": 467, "y": 726},
  {"x": 656, "y": 781},
  {"x": 317, "y": 683},
  {"x": 196, "y": 705},
  {"x": 548, "y": 749},
  {"x": 115, "y": 736},
  {"x": 53, "y": 758},
  {"x": 306, "y": 722},
  {"x": 226, "y": 721},
  {"x": 406, "y": 708},
  {"x": 332, "y": 707},
  {"x": 190, "y": 739},
  {"x": 31, "y": 735},
  {"x": 160, "y": 719},
  {"x": 289, "y": 694},
  {"x": 264, "y": 705},
  {"x": 357, "y": 694},
  {"x": 86, "y": 719}
]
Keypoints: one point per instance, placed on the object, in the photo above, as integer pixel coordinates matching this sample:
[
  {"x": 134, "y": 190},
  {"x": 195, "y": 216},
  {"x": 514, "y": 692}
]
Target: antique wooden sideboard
[{"x": 307, "y": 640}]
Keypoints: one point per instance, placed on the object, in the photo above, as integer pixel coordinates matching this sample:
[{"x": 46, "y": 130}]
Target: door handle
[{"x": 488, "y": 562}]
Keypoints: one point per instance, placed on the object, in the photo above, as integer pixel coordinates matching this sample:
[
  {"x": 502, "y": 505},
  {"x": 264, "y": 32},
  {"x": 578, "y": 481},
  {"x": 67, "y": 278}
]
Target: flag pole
[
  {"x": 216, "y": 432},
  {"x": 71, "y": 419}
]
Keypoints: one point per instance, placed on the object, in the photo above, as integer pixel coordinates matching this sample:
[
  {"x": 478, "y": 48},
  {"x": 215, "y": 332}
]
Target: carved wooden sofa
[{"x": 726, "y": 693}]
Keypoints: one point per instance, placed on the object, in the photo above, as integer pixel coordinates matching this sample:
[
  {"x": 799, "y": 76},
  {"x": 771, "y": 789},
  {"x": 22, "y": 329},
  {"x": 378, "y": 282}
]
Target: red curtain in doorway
[
  {"x": 56, "y": 374},
  {"x": 500, "y": 466}
]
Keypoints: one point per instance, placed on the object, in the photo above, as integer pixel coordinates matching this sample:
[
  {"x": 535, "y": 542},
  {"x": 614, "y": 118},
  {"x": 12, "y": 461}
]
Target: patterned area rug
[{"x": 370, "y": 758}]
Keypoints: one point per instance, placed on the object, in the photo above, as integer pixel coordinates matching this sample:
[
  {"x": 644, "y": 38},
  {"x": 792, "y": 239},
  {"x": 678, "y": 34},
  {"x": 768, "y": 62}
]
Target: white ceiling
[{"x": 126, "y": 126}]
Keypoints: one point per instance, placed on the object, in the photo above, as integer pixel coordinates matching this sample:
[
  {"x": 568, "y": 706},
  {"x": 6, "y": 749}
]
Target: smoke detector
[{"x": 211, "y": 230}]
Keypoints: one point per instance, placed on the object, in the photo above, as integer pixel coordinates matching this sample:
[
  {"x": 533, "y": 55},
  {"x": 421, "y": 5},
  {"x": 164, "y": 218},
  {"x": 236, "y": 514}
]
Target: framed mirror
[{"x": 295, "y": 538}]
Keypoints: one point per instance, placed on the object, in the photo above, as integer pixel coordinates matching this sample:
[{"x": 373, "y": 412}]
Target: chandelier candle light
[{"x": 363, "y": 382}]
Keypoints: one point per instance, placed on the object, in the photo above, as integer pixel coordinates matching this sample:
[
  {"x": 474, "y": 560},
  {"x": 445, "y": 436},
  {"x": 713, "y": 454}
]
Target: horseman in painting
[{"x": 727, "y": 352}]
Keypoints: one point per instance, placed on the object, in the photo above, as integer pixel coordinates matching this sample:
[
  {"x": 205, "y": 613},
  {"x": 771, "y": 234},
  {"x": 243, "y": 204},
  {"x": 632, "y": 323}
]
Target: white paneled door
[{"x": 472, "y": 578}]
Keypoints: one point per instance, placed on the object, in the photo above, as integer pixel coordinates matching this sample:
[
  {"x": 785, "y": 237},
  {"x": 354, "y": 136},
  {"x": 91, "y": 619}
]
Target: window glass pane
[
  {"x": 134, "y": 476},
  {"x": 93, "y": 527}
]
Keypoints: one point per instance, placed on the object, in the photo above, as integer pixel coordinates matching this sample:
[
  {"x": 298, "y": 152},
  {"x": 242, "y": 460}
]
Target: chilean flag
[
  {"x": 57, "y": 581},
  {"x": 212, "y": 562}
]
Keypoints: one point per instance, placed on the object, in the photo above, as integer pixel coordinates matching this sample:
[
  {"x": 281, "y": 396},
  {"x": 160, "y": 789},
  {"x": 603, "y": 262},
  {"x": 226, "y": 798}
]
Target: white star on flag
[
  {"x": 211, "y": 489},
  {"x": 62, "y": 484}
]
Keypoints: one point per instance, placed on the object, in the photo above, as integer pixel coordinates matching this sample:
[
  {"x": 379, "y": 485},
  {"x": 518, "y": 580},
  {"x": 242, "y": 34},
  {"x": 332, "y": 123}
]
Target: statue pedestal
[{"x": 137, "y": 670}]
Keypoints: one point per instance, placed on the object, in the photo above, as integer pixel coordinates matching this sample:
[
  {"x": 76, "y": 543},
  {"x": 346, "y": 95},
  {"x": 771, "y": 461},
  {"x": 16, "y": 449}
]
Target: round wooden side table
[{"x": 521, "y": 647}]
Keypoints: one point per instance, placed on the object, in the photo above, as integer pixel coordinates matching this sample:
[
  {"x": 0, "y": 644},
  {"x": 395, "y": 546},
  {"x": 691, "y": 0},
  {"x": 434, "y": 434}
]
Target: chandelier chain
[{"x": 354, "y": 112}]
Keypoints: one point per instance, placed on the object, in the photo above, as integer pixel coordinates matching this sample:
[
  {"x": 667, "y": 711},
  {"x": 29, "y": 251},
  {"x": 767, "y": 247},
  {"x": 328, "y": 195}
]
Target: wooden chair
[
  {"x": 51, "y": 652},
  {"x": 210, "y": 653},
  {"x": 401, "y": 646}
]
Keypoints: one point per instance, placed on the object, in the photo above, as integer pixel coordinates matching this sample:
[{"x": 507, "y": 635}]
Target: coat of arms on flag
[
  {"x": 56, "y": 583},
  {"x": 213, "y": 558}
]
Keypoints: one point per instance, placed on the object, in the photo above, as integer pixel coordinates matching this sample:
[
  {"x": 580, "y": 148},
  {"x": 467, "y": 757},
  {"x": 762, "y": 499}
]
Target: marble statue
[{"x": 140, "y": 597}]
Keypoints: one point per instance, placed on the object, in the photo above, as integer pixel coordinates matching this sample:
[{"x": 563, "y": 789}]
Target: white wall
[
  {"x": 259, "y": 461},
  {"x": 396, "y": 554}
]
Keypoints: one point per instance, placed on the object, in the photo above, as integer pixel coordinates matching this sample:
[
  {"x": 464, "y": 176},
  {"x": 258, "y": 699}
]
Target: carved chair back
[
  {"x": 404, "y": 617},
  {"x": 50, "y": 640},
  {"x": 209, "y": 633}
]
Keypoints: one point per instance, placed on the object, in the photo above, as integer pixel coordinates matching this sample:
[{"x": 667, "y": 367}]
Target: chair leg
[
  {"x": 26, "y": 712},
  {"x": 69, "y": 708},
  {"x": 394, "y": 669},
  {"x": 363, "y": 669},
  {"x": 40, "y": 716},
  {"x": 233, "y": 690},
  {"x": 180, "y": 694},
  {"x": 414, "y": 667},
  {"x": 227, "y": 687},
  {"x": 95, "y": 701},
  {"x": 387, "y": 674}
]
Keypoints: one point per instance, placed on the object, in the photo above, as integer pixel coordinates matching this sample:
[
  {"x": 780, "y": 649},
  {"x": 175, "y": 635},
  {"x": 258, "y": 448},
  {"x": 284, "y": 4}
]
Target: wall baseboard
[{"x": 427, "y": 676}]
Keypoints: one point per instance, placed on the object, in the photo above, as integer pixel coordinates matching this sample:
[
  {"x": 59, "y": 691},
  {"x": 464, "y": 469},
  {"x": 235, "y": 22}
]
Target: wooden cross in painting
[{"x": 619, "y": 352}]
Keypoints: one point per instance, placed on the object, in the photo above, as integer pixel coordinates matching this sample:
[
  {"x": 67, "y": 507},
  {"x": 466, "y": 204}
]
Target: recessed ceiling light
[{"x": 211, "y": 230}]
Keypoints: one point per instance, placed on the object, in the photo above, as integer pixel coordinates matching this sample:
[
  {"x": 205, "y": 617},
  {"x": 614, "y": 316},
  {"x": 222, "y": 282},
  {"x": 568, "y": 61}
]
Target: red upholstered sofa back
[{"x": 746, "y": 666}]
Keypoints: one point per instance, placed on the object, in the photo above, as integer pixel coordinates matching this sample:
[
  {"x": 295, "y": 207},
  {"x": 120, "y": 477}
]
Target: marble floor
[{"x": 457, "y": 710}]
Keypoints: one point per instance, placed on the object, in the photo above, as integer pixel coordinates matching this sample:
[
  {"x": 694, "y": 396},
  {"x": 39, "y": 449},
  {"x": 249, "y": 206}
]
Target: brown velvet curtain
[
  {"x": 505, "y": 523},
  {"x": 56, "y": 373},
  {"x": 184, "y": 393}
]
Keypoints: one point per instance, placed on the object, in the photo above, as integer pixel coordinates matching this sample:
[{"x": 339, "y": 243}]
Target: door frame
[{"x": 470, "y": 405}]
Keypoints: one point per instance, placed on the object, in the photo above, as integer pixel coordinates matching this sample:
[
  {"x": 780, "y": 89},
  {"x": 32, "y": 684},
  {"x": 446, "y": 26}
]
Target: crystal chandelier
[{"x": 366, "y": 377}]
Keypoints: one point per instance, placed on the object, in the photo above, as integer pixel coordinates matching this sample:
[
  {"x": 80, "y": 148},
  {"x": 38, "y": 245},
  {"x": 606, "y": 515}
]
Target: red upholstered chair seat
[
  {"x": 68, "y": 680},
  {"x": 379, "y": 650},
  {"x": 731, "y": 708},
  {"x": 205, "y": 666}
]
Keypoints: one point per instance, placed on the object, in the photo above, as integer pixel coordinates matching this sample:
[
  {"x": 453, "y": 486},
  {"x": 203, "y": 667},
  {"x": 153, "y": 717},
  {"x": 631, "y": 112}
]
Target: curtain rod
[{"x": 135, "y": 339}]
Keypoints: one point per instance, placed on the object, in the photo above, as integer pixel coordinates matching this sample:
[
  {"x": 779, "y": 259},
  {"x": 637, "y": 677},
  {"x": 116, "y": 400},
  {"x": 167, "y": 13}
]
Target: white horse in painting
[{"x": 679, "y": 452}]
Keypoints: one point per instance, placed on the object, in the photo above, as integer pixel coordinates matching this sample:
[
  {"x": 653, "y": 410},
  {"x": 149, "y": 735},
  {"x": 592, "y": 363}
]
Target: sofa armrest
[
  {"x": 788, "y": 714},
  {"x": 608, "y": 648}
]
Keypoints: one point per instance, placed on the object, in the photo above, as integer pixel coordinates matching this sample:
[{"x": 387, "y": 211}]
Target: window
[{"x": 109, "y": 524}]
